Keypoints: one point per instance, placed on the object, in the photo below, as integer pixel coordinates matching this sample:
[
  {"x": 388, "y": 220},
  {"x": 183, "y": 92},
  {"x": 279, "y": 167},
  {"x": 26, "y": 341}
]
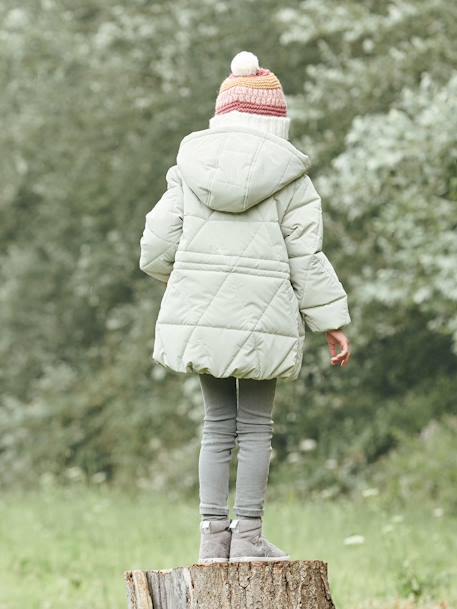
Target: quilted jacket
[{"x": 238, "y": 236}]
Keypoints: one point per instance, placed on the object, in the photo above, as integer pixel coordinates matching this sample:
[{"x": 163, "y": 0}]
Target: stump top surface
[{"x": 236, "y": 565}]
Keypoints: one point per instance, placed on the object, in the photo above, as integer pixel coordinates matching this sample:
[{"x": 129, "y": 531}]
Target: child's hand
[{"x": 338, "y": 337}]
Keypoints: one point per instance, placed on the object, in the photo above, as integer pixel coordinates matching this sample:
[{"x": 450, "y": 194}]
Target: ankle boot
[
  {"x": 215, "y": 538},
  {"x": 248, "y": 544}
]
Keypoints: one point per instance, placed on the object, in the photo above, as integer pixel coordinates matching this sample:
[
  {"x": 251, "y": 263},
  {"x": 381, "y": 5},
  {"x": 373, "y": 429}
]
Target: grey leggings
[{"x": 230, "y": 419}]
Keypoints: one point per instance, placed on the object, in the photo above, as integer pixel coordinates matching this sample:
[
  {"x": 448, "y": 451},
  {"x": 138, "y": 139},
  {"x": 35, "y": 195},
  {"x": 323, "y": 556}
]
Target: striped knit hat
[{"x": 251, "y": 96}]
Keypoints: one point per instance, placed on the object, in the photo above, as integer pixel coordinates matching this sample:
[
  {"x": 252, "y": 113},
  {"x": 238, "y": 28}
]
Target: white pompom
[{"x": 244, "y": 64}]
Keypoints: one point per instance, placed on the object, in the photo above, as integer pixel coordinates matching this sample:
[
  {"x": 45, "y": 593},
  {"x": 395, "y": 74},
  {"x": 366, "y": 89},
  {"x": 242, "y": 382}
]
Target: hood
[{"x": 233, "y": 168}]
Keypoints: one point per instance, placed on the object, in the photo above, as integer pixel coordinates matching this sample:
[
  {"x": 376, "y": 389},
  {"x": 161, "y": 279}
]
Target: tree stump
[{"x": 291, "y": 584}]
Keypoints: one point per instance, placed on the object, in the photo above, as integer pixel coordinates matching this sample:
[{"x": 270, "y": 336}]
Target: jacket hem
[{"x": 292, "y": 376}]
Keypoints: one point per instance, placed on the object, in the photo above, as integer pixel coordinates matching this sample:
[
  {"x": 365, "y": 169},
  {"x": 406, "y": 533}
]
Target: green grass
[{"x": 67, "y": 548}]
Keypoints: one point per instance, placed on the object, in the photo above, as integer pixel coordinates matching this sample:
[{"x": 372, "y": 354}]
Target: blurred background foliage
[{"x": 96, "y": 96}]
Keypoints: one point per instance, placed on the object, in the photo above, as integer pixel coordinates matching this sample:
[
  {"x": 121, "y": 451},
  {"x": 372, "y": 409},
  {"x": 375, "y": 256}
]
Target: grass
[{"x": 67, "y": 548}]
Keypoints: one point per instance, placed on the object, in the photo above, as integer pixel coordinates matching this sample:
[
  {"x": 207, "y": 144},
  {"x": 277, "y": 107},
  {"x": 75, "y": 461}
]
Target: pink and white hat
[{"x": 253, "y": 96}]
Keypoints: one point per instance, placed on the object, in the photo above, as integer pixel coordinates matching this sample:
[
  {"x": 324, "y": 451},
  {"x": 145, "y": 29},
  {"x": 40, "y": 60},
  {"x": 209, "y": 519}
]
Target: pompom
[{"x": 244, "y": 64}]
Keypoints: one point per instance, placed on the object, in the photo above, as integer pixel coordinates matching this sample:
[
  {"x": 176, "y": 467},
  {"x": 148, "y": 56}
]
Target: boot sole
[
  {"x": 210, "y": 561},
  {"x": 258, "y": 558}
]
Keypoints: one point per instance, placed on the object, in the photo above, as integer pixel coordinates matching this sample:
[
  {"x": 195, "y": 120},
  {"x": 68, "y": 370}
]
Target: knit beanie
[{"x": 251, "y": 96}]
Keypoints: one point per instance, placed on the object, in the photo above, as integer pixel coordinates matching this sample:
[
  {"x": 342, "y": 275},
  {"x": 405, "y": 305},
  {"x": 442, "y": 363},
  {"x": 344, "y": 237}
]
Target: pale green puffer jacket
[{"x": 238, "y": 235}]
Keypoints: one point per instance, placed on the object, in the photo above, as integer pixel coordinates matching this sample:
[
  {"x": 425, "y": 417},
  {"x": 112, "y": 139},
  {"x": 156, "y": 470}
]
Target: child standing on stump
[{"x": 237, "y": 236}]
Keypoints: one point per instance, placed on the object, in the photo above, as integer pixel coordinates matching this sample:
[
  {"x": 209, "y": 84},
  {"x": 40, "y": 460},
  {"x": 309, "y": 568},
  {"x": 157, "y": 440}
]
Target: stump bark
[{"x": 293, "y": 584}]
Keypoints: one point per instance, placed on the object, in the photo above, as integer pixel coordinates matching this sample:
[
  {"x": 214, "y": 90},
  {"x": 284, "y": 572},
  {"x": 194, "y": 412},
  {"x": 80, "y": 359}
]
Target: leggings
[{"x": 232, "y": 418}]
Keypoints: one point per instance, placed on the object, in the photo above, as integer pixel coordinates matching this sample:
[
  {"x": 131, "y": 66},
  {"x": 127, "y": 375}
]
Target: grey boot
[
  {"x": 215, "y": 538},
  {"x": 248, "y": 544}
]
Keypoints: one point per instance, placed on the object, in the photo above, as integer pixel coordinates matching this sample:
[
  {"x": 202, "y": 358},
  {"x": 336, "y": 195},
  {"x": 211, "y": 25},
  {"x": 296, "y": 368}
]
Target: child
[{"x": 237, "y": 236}]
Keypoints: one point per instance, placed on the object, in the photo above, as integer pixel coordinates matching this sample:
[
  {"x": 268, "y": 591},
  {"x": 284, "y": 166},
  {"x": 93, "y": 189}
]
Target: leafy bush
[{"x": 96, "y": 97}]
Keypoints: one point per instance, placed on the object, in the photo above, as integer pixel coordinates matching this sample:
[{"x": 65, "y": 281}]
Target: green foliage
[
  {"x": 95, "y": 98},
  {"x": 422, "y": 468},
  {"x": 364, "y": 56},
  {"x": 407, "y": 209}
]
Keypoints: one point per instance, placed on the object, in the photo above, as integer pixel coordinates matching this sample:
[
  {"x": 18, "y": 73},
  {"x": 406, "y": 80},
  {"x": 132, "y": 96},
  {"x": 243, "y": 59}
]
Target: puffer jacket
[{"x": 238, "y": 236}]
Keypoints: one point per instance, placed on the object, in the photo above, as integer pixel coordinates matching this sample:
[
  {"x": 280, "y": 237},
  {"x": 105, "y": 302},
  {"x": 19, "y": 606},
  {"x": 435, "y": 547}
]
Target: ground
[{"x": 68, "y": 548}]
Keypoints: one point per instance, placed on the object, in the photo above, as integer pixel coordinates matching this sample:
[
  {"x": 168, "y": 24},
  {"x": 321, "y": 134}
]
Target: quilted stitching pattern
[{"x": 238, "y": 236}]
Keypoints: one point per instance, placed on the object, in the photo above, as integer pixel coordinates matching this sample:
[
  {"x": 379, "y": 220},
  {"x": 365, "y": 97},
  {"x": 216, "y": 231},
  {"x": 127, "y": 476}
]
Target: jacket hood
[{"x": 233, "y": 168}]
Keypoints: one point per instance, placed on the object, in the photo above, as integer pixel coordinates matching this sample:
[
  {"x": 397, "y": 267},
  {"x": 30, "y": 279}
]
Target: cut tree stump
[{"x": 291, "y": 584}]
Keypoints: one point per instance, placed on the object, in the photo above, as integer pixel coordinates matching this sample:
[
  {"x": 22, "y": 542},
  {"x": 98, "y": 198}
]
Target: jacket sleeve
[
  {"x": 321, "y": 296},
  {"x": 163, "y": 229}
]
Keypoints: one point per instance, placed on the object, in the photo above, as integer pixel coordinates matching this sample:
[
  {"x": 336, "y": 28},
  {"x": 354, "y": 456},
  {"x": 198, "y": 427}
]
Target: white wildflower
[
  {"x": 331, "y": 464},
  {"x": 308, "y": 444},
  {"x": 293, "y": 458},
  {"x": 353, "y": 540},
  {"x": 370, "y": 492},
  {"x": 158, "y": 372}
]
